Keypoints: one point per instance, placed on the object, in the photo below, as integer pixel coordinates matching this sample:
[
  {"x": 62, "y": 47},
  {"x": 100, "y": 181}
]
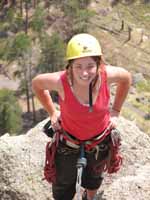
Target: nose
[{"x": 84, "y": 71}]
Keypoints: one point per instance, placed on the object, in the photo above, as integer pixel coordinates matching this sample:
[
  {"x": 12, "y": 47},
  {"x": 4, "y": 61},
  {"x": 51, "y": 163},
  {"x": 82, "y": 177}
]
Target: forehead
[{"x": 87, "y": 60}]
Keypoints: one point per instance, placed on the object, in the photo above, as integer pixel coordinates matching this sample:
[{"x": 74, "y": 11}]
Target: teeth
[{"x": 84, "y": 78}]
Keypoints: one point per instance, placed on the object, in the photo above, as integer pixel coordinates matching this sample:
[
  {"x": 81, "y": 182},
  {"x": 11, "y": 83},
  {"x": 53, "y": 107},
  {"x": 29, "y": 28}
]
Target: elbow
[
  {"x": 35, "y": 84},
  {"x": 129, "y": 79},
  {"x": 126, "y": 80}
]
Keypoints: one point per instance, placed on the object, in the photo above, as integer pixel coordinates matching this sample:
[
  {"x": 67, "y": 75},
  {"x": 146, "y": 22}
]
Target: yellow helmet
[{"x": 82, "y": 45}]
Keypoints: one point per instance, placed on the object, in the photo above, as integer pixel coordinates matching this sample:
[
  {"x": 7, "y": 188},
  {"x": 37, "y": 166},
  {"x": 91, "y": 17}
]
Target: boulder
[{"x": 22, "y": 160}]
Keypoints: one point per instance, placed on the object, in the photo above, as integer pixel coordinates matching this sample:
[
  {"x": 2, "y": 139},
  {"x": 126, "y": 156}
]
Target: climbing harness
[
  {"x": 72, "y": 142},
  {"x": 111, "y": 164}
]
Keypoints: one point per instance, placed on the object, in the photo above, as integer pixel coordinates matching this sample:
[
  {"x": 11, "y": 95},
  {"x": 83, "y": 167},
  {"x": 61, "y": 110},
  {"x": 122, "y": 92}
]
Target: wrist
[
  {"x": 115, "y": 110},
  {"x": 52, "y": 113}
]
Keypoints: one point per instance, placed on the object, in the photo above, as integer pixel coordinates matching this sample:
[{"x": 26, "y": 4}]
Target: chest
[{"x": 82, "y": 96}]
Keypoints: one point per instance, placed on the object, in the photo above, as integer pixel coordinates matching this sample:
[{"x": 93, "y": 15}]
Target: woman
[{"x": 85, "y": 113}]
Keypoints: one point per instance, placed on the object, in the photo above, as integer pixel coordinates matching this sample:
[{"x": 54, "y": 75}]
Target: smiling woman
[
  {"x": 85, "y": 115},
  {"x": 84, "y": 69}
]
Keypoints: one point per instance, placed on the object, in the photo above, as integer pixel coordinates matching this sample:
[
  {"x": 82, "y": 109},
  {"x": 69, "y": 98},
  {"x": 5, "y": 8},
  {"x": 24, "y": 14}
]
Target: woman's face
[{"x": 84, "y": 70}]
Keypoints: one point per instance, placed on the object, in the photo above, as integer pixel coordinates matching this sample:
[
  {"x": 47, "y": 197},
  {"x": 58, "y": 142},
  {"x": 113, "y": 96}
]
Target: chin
[{"x": 85, "y": 83}]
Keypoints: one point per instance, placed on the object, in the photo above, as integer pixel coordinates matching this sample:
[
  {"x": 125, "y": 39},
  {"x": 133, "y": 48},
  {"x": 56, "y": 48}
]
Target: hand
[
  {"x": 114, "y": 115},
  {"x": 55, "y": 121}
]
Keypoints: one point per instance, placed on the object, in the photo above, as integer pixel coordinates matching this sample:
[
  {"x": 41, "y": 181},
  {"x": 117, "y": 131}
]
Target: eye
[
  {"x": 78, "y": 67},
  {"x": 90, "y": 67}
]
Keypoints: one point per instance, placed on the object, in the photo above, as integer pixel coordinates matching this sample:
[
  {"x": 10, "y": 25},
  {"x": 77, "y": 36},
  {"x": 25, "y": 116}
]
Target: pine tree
[{"x": 10, "y": 113}]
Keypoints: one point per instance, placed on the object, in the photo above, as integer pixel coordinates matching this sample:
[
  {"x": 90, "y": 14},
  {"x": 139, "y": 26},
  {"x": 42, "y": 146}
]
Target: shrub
[{"x": 10, "y": 113}]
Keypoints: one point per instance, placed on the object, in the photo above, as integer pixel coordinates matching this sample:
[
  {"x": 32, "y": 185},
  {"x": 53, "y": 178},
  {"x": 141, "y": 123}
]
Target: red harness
[{"x": 112, "y": 164}]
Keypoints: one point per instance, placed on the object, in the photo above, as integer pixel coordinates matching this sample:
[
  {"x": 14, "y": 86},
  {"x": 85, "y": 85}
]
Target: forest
[{"x": 33, "y": 38}]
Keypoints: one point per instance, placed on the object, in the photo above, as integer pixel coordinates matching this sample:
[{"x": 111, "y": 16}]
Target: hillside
[{"x": 123, "y": 30}]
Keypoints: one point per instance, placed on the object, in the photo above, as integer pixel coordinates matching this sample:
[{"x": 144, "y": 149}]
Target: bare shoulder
[{"x": 117, "y": 74}]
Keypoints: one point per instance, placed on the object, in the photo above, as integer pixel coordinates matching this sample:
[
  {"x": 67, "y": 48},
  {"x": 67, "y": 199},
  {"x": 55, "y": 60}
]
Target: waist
[
  {"x": 84, "y": 129},
  {"x": 74, "y": 142}
]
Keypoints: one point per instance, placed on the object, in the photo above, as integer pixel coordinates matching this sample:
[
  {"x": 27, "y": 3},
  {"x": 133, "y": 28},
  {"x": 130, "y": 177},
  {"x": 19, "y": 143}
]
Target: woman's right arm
[{"x": 42, "y": 85}]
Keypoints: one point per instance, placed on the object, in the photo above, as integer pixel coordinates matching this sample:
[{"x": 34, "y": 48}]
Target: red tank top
[{"x": 76, "y": 118}]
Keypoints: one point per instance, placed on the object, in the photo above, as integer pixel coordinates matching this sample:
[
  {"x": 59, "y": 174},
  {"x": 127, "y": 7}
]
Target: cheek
[
  {"x": 94, "y": 71},
  {"x": 74, "y": 72}
]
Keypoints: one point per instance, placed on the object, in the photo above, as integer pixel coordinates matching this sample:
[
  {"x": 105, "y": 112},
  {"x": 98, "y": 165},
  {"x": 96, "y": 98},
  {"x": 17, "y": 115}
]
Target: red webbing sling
[{"x": 50, "y": 168}]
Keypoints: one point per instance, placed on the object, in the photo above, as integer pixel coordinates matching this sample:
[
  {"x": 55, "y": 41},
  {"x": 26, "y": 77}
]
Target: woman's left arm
[{"x": 122, "y": 79}]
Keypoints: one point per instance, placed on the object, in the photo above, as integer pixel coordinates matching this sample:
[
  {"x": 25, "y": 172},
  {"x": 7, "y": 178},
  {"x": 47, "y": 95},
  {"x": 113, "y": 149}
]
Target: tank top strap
[
  {"x": 65, "y": 83},
  {"x": 103, "y": 74}
]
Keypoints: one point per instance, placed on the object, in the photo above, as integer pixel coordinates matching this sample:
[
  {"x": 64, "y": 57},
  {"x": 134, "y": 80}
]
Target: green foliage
[
  {"x": 52, "y": 53},
  {"x": 10, "y": 113},
  {"x": 37, "y": 22},
  {"x": 143, "y": 86},
  {"x": 81, "y": 22},
  {"x": 16, "y": 47},
  {"x": 79, "y": 14},
  {"x": 136, "y": 117},
  {"x": 21, "y": 44},
  {"x": 70, "y": 8},
  {"x": 12, "y": 20},
  {"x": 5, "y": 49},
  {"x": 10, "y": 15},
  {"x": 2, "y": 49},
  {"x": 19, "y": 22}
]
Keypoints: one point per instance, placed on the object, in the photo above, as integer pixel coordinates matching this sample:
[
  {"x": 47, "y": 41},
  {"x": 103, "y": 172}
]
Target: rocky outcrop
[
  {"x": 21, "y": 166},
  {"x": 22, "y": 161}
]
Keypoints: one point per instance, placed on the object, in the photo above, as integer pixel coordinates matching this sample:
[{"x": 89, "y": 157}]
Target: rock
[
  {"x": 7, "y": 83},
  {"x": 137, "y": 77},
  {"x": 137, "y": 35},
  {"x": 22, "y": 161},
  {"x": 132, "y": 181},
  {"x": 21, "y": 166}
]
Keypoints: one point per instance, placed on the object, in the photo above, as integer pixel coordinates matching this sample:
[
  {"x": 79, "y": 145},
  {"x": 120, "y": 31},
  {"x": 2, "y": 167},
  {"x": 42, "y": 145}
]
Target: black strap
[
  {"x": 48, "y": 130},
  {"x": 90, "y": 98}
]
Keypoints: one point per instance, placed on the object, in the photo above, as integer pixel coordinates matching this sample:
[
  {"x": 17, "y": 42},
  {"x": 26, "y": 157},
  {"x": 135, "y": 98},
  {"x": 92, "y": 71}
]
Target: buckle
[{"x": 68, "y": 143}]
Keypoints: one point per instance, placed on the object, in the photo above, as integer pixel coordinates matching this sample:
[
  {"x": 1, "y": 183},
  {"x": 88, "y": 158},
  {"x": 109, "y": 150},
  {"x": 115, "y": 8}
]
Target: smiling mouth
[{"x": 84, "y": 78}]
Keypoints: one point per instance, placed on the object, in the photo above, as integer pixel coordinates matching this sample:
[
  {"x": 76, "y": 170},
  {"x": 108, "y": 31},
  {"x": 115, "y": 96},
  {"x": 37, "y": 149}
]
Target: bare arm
[
  {"x": 44, "y": 83},
  {"x": 122, "y": 78}
]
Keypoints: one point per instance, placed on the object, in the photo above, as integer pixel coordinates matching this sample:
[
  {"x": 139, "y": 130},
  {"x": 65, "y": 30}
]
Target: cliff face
[{"x": 22, "y": 160}]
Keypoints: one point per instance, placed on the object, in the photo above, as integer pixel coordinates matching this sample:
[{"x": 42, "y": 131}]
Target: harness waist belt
[{"x": 73, "y": 142}]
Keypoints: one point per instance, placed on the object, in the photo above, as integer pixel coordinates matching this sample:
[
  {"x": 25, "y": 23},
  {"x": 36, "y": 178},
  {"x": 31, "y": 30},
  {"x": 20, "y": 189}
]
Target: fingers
[
  {"x": 55, "y": 120},
  {"x": 56, "y": 125},
  {"x": 113, "y": 122}
]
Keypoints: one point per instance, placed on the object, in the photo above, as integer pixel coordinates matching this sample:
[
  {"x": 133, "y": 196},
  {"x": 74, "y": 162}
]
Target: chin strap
[{"x": 90, "y": 98}]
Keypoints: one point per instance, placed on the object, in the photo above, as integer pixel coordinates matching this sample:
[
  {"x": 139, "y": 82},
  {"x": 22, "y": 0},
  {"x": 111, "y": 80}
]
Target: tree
[
  {"x": 37, "y": 22},
  {"x": 52, "y": 51},
  {"x": 18, "y": 48},
  {"x": 79, "y": 14},
  {"x": 81, "y": 21},
  {"x": 10, "y": 113}
]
